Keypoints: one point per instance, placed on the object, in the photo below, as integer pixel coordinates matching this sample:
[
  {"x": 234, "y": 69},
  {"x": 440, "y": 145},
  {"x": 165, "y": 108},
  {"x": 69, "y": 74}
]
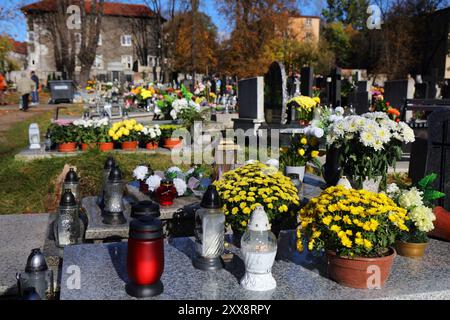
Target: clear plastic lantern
[
  {"x": 114, "y": 191},
  {"x": 34, "y": 137},
  {"x": 67, "y": 227},
  {"x": 37, "y": 277},
  {"x": 259, "y": 248},
  {"x": 72, "y": 183},
  {"x": 209, "y": 232}
]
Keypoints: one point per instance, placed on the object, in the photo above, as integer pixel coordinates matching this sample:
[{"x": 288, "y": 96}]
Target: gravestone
[
  {"x": 275, "y": 94},
  {"x": 438, "y": 160},
  {"x": 251, "y": 104},
  {"x": 445, "y": 91},
  {"x": 361, "y": 103},
  {"x": 336, "y": 86},
  {"x": 421, "y": 91},
  {"x": 307, "y": 76},
  {"x": 397, "y": 91}
]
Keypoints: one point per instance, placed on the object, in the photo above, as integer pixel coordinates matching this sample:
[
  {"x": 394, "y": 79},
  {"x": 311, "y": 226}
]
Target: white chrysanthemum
[
  {"x": 392, "y": 189},
  {"x": 153, "y": 182},
  {"x": 353, "y": 125},
  {"x": 408, "y": 133},
  {"x": 423, "y": 218},
  {"x": 273, "y": 163},
  {"x": 174, "y": 170},
  {"x": 411, "y": 198},
  {"x": 181, "y": 186},
  {"x": 367, "y": 138},
  {"x": 339, "y": 111},
  {"x": 378, "y": 145},
  {"x": 140, "y": 172},
  {"x": 174, "y": 114},
  {"x": 383, "y": 134}
]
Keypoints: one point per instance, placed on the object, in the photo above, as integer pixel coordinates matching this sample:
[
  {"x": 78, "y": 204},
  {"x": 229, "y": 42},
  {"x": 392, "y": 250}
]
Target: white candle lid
[{"x": 259, "y": 220}]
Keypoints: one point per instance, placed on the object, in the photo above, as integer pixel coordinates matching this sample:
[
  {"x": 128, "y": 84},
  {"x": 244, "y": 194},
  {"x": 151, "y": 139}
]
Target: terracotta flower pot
[
  {"x": 129, "y": 146},
  {"x": 441, "y": 224},
  {"x": 359, "y": 272},
  {"x": 88, "y": 146},
  {"x": 151, "y": 146},
  {"x": 67, "y": 147},
  {"x": 106, "y": 146},
  {"x": 170, "y": 143},
  {"x": 411, "y": 250}
]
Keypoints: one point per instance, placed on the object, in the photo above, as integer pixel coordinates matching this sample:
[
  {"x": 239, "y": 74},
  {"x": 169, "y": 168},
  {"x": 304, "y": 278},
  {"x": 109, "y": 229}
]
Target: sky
[{"x": 17, "y": 26}]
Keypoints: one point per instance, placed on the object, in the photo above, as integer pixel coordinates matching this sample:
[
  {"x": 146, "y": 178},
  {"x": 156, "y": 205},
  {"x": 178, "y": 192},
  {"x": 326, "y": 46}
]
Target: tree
[
  {"x": 352, "y": 12},
  {"x": 193, "y": 42},
  {"x": 90, "y": 32},
  {"x": 5, "y": 49},
  {"x": 338, "y": 37},
  {"x": 256, "y": 23}
]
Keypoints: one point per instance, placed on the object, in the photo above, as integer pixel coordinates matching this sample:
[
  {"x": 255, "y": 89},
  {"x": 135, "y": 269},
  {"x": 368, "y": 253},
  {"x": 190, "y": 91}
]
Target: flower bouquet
[
  {"x": 254, "y": 184},
  {"x": 368, "y": 145},
  {"x": 356, "y": 228}
]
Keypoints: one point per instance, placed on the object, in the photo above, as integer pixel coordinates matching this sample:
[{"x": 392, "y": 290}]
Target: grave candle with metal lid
[
  {"x": 166, "y": 193},
  {"x": 145, "y": 209},
  {"x": 209, "y": 232},
  {"x": 72, "y": 183},
  {"x": 109, "y": 165},
  {"x": 114, "y": 207},
  {"x": 37, "y": 276},
  {"x": 259, "y": 248},
  {"x": 67, "y": 227},
  {"x": 145, "y": 260}
]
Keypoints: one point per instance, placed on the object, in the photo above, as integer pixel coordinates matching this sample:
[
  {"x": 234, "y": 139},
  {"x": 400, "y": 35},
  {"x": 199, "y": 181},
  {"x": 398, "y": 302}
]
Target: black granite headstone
[
  {"x": 438, "y": 160},
  {"x": 445, "y": 91},
  {"x": 336, "y": 79},
  {"x": 275, "y": 94},
  {"x": 307, "y": 78},
  {"x": 421, "y": 91},
  {"x": 396, "y": 92}
]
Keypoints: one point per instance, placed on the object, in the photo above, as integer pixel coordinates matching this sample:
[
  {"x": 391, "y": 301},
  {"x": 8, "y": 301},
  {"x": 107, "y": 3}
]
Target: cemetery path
[{"x": 11, "y": 115}]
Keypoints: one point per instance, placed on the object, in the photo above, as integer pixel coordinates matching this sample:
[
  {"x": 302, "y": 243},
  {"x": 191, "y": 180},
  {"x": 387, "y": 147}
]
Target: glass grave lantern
[
  {"x": 259, "y": 248},
  {"x": 145, "y": 258},
  {"x": 209, "y": 232},
  {"x": 109, "y": 165},
  {"x": 114, "y": 207},
  {"x": 166, "y": 193},
  {"x": 72, "y": 183},
  {"x": 67, "y": 226},
  {"x": 37, "y": 278},
  {"x": 34, "y": 136}
]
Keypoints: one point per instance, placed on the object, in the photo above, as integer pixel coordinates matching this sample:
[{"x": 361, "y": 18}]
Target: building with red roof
[{"x": 127, "y": 39}]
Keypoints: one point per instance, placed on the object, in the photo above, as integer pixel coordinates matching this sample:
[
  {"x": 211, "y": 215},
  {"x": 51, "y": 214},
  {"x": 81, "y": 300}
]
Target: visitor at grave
[
  {"x": 3, "y": 87},
  {"x": 35, "y": 92},
  {"x": 25, "y": 86}
]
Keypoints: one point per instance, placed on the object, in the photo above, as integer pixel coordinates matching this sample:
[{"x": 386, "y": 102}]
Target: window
[
  {"x": 100, "y": 40},
  {"x": 308, "y": 22},
  {"x": 126, "y": 40},
  {"x": 151, "y": 61},
  {"x": 127, "y": 62},
  {"x": 98, "y": 64}
]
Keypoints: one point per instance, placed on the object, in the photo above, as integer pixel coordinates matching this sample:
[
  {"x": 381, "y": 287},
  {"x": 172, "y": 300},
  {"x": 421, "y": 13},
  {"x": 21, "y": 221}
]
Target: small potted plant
[
  {"x": 244, "y": 189},
  {"x": 170, "y": 142},
  {"x": 304, "y": 107},
  {"x": 302, "y": 150},
  {"x": 356, "y": 229},
  {"x": 66, "y": 136},
  {"x": 127, "y": 133},
  {"x": 87, "y": 135},
  {"x": 150, "y": 137},
  {"x": 413, "y": 242}
]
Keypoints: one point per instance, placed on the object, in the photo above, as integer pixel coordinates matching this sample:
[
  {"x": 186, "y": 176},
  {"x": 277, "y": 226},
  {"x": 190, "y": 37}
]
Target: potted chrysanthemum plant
[
  {"x": 356, "y": 229},
  {"x": 413, "y": 242}
]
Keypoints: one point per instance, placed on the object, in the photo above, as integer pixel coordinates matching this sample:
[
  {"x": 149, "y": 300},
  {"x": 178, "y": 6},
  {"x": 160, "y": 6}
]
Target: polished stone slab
[
  {"x": 18, "y": 236},
  {"x": 300, "y": 276}
]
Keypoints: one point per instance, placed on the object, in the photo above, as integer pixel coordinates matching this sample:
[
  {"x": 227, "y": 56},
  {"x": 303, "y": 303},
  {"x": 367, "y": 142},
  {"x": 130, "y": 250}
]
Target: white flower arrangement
[
  {"x": 153, "y": 133},
  {"x": 153, "y": 182},
  {"x": 181, "y": 186},
  {"x": 140, "y": 173},
  {"x": 181, "y": 104},
  {"x": 174, "y": 170}
]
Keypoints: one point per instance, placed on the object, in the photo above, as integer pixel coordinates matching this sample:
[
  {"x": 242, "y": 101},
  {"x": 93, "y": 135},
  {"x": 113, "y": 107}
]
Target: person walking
[
  {"x": 35, "y": 92},
  {"x": 25, "y": 86},
  {"x": 3, "y": 87}
]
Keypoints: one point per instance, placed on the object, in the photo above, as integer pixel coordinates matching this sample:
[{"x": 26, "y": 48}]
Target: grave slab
[
  {"x": 19, "y": 235},
  {"x": 299, "y": 276}
]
